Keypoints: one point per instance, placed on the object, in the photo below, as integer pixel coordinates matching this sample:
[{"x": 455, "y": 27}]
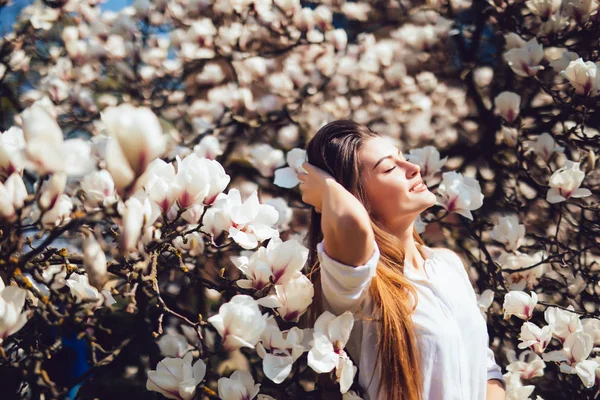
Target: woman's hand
[{"x": 312, "y": 185}]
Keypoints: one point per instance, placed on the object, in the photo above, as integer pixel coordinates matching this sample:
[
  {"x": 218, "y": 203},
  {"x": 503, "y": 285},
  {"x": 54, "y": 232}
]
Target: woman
[{"x": 418, "y": 333}]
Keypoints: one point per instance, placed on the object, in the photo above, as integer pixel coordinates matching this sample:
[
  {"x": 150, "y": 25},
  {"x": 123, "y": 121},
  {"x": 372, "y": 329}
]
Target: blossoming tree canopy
[{"x": 150, "y": 215}]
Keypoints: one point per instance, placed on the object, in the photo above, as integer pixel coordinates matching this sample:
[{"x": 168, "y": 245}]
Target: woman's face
[{"x": 394, "y": 187}]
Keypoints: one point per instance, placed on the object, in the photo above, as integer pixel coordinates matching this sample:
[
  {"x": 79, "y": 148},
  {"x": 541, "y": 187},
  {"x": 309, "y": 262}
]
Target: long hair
[{"x": 335, "y": 149}]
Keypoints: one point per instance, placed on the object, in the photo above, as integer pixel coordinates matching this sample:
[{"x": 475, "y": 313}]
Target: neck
[{"x": 404, "y": 233}]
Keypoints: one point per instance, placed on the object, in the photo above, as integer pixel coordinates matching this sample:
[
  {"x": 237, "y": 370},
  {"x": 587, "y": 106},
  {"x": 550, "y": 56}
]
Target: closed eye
[{"x": 390, "y": 170}]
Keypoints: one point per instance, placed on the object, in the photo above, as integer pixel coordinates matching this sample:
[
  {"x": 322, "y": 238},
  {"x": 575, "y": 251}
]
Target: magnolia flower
[
  {"x": 12, "y": 142},
  {"x": 288, "y": 177},
  {"x": 266, "y": 159},
  {"x": 529, "y": 365},
  {"x": 292, "y": 298},
  {"x": 284, "y": 210},
  {"x": 563, "y": 322},
  {"x": 545, "y": 146},
  {"x": 247, "y": 223},
  {"x": 459, "y": 194},
  {"x": 239, "y": 322},
  {"x": 565, "y": 182},
  {"x": 279, "y": 350},
  {"x": 419, "y": 224},
  {"x": 573, "y": 357},
  {"x": 51, "y": 190},
  {"x": 508, "y": 104},
  {"x": 46, "y": 151},
  {"x": 591, "y": 326},
  {"x": 99, "y": 188},
  {"x": 239, "y": 386},
  {"x": 173, "y": 344},
  {"x": 209, "y": 147},
  {"x": 525, "y": 61},
  {"x": 583, "y": 76},
  {"x": 484, "y": 301},
  {"x": 84, "y": 292},
  {"x": 12, "y": 197},
  {"x": 55, "y": 276},
  {"x": 192, "y": 181},
  {"x": 534, "y": 337},
  {"x": 580, "y": 10},
  {"x": 509, "y": 135},
  {"x": 519, "y": 280},
  {"x": 60, "y": 214},
  {"x": 513, "y": 41},
  {"x": 519, "y": 304},
  {"x": 136, "y": 140},
  {"x": 543, "y": 8},
  {"x": 94, "y": 261},
  {"x": 132, "y": 224},
  {"x": 288, "y": 135},
  {"x": 193, "y": 243},
  {"x": 331, "y": 334},
  {"x": 428, "y": 158},
  {"x": 160, "y": 184},
  {"x": 12, "y": 316},
  {"x": 279, "y": 260},
  {"x": 563, "y": 61},
  {"x": 515, "y": 389},
  {"x": 509, "y": 232},
  {"x": 177, "y": 378}
]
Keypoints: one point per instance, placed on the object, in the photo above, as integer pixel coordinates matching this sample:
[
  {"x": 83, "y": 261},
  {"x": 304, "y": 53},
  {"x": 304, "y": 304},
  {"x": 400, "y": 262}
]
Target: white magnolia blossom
[
  {"x": 525, "y": 61},
  {"x": 46, "y": 151},
  {"x": 565, "y": 182},
  {"x": 99, "y": 188},
  {"x": 94, "y": 261},
  {"x": 59, "y": 214},
  {"x": 177, "y": 378},
  {"x": 563, "y": 322},
  {"x": 529, "y": 365},
  {"x": 509, "y": 232},
  {"x": 561, "y": 63},
  {"x": 287, "y": 177},
  {"x": 513, "y": 41},
  {"x": 459, "y": 194},
  {"x": 286, "y": 213},
  {"x": 266, "y": 159},
  {"x": 51, "y": 190},
  {"x": 574, "y": 355},
  {"x": 591, "y": 326},
  {"x": 12, "y": 316},
  {"x": 12, "y": 143},
  {"x": 173, "y": 344},
  {"x": 292, "y": 298},
  {"x": 509, "y": 135},
  {"x": 513, "y": 265},
  {"x": 515, "y": 389},
  {"x": 279, "y": 350},
  {"x": 428, "y": 158},
  {"x": 419, "y": 224},
  {"x": 12, "y": 197},
  {"x": 544, "y": 146},
  {"x": 580, "y": 10},
  {"x": 330, "y": 336},
  {"x": 247, "y": 223},
  {"x": 160, "y": 184},
  {"x": 239, "y": 386},
  {"x": 508, "y": 104},
  {"x": 239, "y": 322},
  {"x": 543, "y": 8},
  {"x": 279, "y": 261},
  {"x": 519, "y": 304},
  {"x": 138, "y": 214},
  {"x": 484, "y": 301},
  {"x": 136, "y": 140},
  {"x": 209, "y": 147},
  {"x": 192, "y": 243},
  {"x": 84, "y": 292},
  {"x": 584, "y": 77},
  {"x": 534, "y": 337}
]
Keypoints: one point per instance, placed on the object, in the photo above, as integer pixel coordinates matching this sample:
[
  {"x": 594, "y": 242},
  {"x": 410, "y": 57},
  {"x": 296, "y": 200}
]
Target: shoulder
[{"x": 450, "y": 257}]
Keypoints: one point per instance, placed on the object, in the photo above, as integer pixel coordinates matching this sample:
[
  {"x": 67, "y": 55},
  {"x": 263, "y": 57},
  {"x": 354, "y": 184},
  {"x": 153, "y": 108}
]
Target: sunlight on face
[{"x": 388, "y": 179}]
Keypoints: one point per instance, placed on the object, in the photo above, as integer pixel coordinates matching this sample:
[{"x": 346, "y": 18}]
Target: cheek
[{"x": 389, "y": 195}]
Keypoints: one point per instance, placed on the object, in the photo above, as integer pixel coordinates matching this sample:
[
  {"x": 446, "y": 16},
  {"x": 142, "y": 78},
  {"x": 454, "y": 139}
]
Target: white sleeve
[
  {"x": 344, "y": 286},
  {"x": 493, "y": 370}
]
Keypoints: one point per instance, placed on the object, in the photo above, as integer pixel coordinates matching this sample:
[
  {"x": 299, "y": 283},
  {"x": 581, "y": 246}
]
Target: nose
[{"x": 412, "y": 170}]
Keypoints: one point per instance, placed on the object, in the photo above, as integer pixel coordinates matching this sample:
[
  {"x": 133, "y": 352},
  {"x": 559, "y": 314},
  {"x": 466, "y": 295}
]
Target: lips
[{"x": 413, "y": 187}]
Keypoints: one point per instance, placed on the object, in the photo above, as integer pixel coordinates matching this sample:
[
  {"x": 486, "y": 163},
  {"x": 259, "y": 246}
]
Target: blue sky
[{"x": 8, "y": 14}]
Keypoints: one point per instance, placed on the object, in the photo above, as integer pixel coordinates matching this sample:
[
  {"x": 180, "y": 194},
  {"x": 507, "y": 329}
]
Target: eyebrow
[{"x": 385, "y": 158}]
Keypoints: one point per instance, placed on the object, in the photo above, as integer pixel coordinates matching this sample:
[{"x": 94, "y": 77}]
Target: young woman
[{"x": 418, "y": 333}]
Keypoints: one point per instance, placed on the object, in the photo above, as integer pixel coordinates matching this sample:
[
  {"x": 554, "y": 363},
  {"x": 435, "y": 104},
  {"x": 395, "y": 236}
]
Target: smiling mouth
[{"x": 418, "y": 187}]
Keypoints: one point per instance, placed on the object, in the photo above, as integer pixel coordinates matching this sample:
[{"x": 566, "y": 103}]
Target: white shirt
[{"x": 451, "y": 333}]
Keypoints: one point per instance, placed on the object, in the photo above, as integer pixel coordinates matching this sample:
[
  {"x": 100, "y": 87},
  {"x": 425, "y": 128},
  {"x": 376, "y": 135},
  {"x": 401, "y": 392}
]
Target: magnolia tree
[{"x": 150, "y": 221}]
